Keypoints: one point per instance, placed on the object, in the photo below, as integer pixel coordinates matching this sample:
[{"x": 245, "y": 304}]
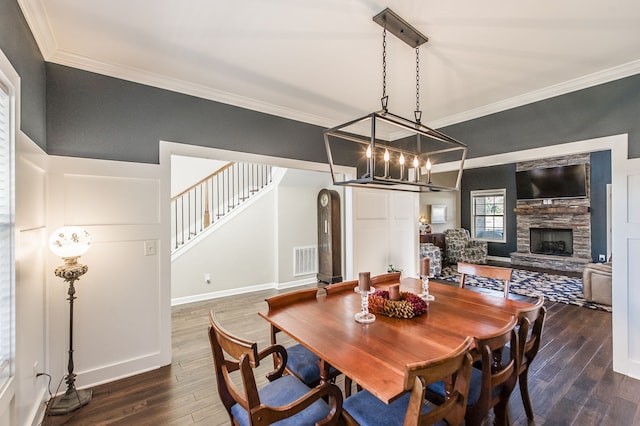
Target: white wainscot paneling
[
  {"x": 371, "y": 204},
  {"x": 403, "y": 206},
  {"x": 30, "y": 205},
  {"x": 633, "y": 188},
  {"x": 117, "y": 325},
  {"x": 634, "y": 300},
  {"x": 94, "y": 200}
]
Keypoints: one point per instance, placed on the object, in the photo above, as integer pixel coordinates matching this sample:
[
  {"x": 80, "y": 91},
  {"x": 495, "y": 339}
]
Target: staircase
[{"x": 205, "y": 203}]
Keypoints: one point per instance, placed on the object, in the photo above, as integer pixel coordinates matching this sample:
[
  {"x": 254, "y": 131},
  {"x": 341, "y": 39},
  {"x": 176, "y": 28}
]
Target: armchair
[{"x": 461, "y": 248}]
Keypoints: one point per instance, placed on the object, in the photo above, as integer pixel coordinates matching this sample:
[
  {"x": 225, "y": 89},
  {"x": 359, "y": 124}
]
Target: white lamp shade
[{"x": 70, "y": 241}]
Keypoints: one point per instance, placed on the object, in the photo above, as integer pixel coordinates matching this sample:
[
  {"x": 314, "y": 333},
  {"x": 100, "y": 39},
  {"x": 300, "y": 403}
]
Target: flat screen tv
[{"x": 552, "y": 182}]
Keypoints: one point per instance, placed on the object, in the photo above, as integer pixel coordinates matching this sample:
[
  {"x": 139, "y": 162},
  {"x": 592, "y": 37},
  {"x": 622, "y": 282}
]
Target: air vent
[{"x": 305, "y": 260}]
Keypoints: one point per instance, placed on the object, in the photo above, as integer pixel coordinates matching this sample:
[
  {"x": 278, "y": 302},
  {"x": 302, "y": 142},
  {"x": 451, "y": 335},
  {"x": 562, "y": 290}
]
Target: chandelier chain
[
  {"x": 417, "y": 79},
  {"x": 384, "y": 62},
  {"x": 384, "y": 98}
]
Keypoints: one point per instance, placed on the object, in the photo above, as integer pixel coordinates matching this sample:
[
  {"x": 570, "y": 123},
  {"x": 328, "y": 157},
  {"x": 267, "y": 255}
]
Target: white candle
[
  {"x": 401, "y": 166},
  {"x": 428, "y": 170},
  {"x": 368, "y": 154},
  {"x": 416, "y": 169},
  {"x": 386, "y": 163}
]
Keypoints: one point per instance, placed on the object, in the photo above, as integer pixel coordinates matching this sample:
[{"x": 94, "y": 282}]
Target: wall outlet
[
  {"x": 602, "y": 258},
  {"x": 207, "y": 278}
]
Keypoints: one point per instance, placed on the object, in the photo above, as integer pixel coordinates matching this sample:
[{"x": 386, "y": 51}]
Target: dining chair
[
  {"x": 386, "y": 279},
  {"x": 285, "y": 399},
  {"x": 301, "y": 362},
  {"x": 486, "y": 271},
  {"x": 492, "y": 383},
  {"x": 530, "y": 325},
  {"x": 364, "y": 409},
  {"x": 340, "y": 287}
]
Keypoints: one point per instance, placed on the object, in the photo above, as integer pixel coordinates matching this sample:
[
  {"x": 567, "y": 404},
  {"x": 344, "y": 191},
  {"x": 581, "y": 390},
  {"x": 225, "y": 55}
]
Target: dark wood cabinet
[{"x": 329, "y": 237}]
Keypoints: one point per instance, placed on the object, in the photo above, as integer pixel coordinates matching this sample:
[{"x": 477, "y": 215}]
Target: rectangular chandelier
[
  {"x": 396, "y": 153},
  {"x": 386, "y": 151}
]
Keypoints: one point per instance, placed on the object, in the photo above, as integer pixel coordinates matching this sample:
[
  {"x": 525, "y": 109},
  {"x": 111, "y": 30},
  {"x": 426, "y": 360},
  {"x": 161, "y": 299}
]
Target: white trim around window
[
  {"x": 7, "y": 229},
  {"x": 488, "y": 215}
]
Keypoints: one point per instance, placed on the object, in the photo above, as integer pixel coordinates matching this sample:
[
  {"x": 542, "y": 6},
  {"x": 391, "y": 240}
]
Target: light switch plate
[{"x": 150, "y": 248}]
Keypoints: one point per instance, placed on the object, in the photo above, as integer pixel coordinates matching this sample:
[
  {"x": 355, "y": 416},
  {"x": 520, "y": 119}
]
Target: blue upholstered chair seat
[
  {"x": 368, "y": 410},
  {"x": 282, "y": 392},
  {"x": 304, "y": 364}
]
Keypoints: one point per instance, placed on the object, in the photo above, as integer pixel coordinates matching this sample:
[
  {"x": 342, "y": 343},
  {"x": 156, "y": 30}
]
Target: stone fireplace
[{"x": 553, "y": 234}]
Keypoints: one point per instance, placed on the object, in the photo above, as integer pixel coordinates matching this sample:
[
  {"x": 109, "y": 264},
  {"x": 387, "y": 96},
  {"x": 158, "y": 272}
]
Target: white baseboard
[{"x": 241, "y": 290}]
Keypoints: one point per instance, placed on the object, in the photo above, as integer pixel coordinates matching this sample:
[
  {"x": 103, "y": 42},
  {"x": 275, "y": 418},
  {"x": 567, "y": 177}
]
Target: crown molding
[
  {"x": 584, "y": 82},
  {"x": 36, "y": 17}
]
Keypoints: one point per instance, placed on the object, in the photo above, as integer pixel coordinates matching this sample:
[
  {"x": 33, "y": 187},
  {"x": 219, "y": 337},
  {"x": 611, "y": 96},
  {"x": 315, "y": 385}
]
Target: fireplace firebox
[{"x": 551, "y": 241}]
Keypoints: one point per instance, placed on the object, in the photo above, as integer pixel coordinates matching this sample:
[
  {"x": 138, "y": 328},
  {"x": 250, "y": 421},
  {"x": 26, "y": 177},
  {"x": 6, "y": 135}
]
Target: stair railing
[{"x": 210, "y": 199}]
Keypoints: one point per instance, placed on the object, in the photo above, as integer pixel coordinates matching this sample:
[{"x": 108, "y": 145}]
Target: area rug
[{"x": 556, "y": 288}]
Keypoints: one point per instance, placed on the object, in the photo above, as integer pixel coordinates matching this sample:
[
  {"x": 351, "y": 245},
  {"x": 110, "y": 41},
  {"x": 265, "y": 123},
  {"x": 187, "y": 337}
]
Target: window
[
  {"x": 7, "y": 222},
  {"x": 487, "y": 215}
]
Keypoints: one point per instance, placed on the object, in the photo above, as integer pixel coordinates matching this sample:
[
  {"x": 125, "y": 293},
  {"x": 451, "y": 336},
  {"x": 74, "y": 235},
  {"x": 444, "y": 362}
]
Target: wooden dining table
[{"x": 375, "y": 355}]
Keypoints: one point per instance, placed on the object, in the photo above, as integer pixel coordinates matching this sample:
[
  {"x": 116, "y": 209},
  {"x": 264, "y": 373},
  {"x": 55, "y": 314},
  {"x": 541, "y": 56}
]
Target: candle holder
[
  {"x": 364, "y": 316},
  {"x": 425, "y": 289}
]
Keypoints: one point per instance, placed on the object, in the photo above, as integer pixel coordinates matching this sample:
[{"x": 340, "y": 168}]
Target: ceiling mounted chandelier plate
[{"x": 387, "y": 151}]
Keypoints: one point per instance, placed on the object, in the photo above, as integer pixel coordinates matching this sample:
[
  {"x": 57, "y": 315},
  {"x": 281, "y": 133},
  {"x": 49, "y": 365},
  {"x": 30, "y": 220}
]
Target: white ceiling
[{"x": 320, "y": 61}]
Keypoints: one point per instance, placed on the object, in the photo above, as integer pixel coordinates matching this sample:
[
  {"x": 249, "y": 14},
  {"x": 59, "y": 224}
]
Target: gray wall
[
  {"x": 608, "y": 109},
  {"x": 20, "y": 47},
  {"x": 90, "y": 115},
  {"x": 600, "y": 177},
  {"x": 503, "y": 176}
]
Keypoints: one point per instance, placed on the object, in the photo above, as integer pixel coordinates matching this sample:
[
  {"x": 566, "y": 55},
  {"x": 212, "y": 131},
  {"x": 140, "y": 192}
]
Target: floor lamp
[{"x": 70, "y": 243}]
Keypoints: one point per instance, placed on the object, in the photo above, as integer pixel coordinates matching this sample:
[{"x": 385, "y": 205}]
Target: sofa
[{"x": 596, "y": 283}]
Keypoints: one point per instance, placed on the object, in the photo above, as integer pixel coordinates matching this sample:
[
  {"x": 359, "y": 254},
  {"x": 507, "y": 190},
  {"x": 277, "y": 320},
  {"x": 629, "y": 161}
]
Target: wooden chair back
[
  {"x": 455, "y": 368},
  {"x": 285, "y": 299},
  {"x": 340, "y": 287},
  {"x": 486, "y": 271},
  {"x": 386, "y": 279},
  {"x": 530, "y": 326},
  {"x": 243, "y": 355},
  {"x": 496, "y": 371}
]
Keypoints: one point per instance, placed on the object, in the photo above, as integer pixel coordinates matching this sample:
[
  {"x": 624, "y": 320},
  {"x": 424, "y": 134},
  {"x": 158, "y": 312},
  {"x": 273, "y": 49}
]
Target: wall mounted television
[{"x": 552, "y": 182}]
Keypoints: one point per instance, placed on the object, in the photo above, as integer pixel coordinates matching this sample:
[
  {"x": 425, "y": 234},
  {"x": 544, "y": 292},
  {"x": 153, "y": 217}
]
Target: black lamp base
[{"x": 70, "y": 401}]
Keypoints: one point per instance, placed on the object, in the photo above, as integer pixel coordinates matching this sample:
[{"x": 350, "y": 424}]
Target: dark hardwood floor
[{"x": 571, "y": 381}]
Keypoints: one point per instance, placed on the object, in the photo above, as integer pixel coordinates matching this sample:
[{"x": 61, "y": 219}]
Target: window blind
[{"x": 7, "y": 300}]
